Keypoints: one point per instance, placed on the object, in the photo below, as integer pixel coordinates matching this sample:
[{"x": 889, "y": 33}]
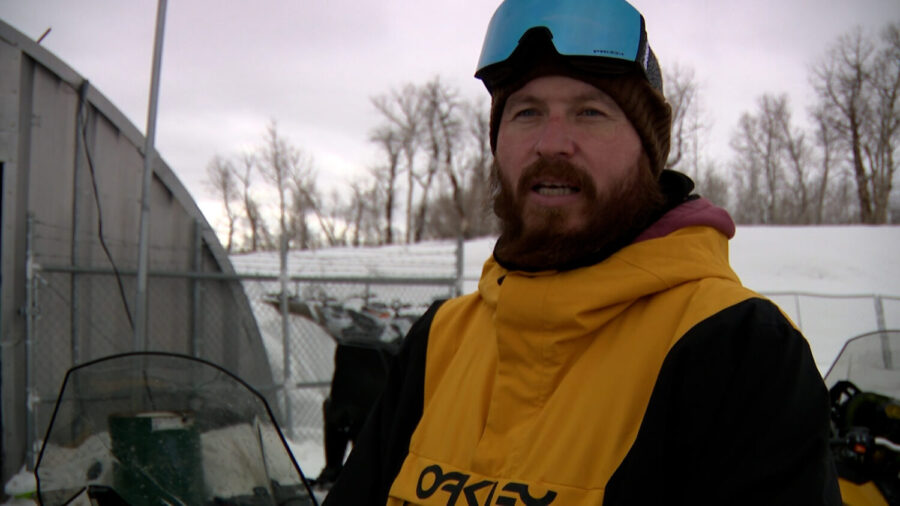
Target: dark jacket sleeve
[
  {"x": 383, "y": 443},
  {"x": 739, "y": 415}
]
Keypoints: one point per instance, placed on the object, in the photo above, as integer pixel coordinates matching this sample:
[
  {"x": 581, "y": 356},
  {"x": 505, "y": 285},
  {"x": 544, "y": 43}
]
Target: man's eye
[
  {"x": 525, "y": 113},
  {"x": 592, "y": 112}
]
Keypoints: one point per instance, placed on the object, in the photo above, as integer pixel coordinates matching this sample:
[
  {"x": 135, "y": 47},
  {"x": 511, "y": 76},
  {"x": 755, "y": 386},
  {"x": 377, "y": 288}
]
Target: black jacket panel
[{"x": 739, "y": 415}]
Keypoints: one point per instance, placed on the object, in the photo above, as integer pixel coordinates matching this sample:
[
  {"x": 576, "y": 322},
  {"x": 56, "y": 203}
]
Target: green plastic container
[{"x": 158, "y": 456}]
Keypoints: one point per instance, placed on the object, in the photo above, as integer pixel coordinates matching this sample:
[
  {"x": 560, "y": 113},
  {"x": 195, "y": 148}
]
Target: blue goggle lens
[{"x": 603, "y": 28}]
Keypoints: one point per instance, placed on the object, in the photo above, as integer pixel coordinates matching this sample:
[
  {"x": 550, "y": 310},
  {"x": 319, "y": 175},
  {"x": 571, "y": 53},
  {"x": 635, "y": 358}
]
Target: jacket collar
[{"x": 584, "y": 298}]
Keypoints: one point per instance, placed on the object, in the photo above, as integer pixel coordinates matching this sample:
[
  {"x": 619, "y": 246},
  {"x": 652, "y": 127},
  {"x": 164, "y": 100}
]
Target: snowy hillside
[
  {"x": 834, "y": 260},
  {"x": 831, "y": 260}
]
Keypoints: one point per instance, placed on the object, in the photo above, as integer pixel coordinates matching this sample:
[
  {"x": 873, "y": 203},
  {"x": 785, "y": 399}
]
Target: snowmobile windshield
[
  {"x": 871, "y": 362},
  {"x": 152, "y": 428}
]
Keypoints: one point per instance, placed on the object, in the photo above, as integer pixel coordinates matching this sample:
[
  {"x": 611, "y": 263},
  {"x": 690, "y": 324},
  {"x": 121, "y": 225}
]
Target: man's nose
[{"x": 555, "y": 138}]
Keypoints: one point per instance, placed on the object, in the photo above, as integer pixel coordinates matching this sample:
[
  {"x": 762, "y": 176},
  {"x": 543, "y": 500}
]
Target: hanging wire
[{"x": 82, "y": 120}]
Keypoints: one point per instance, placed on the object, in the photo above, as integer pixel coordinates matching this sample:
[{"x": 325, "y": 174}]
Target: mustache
[
  {"x": 558, "y": 171},
  {"x": 508, "y": 197}
]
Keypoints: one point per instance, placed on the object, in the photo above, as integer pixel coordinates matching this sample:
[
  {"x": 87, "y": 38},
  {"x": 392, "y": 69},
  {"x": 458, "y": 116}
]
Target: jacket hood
[{"x": 695, "y": 212}]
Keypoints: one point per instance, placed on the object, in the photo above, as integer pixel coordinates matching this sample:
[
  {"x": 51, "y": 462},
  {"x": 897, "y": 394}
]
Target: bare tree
[
  {"x": 714, "y": 186},
  {"x": 689, "y": 131},
  {"x": 797, "y": 202},
  {"x": 462, "y": 207},
  {"x": 477, "y": 201},
  {"x": 826, "y": 141},
  {"x": 274, "y": 159},
  {"x": 682, "y": 95},
  {"x": 441, "y": 134},
  {"x": 886, "y": 76},
  {"x": 221, "y": 179},
  {"x": 777, "y": 180},
  {"x": 259, "y": 232},
  {"x": 391, "y": 143},
  {"x": 328, "y": 211},
  {"x": 858, "y": 85},
  {"x": 436, "y": 138},
  {"x": 304, "y": 199},
  {"x": 334, "y": 216},
  {"x": 358, "y": 210},
  {"x": 757, "y": 143},
  {"x": 402, "y": 111},
  {"x": 291, "y": 173},
  {"x": 359, "y": 215}
]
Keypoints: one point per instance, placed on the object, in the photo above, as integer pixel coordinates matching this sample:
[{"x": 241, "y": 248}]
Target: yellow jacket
[{"x": 535, "y": 390}]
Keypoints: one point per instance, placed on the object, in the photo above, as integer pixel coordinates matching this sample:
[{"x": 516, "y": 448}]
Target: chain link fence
[
  {"x": 299, "y": 320},
  {"x": 301, "y": 332},
  {"x": 299, "y": 344}
]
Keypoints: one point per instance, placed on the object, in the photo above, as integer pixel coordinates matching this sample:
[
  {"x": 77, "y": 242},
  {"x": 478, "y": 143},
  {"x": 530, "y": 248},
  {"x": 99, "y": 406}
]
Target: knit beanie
[{"x": 644, "y": 106}]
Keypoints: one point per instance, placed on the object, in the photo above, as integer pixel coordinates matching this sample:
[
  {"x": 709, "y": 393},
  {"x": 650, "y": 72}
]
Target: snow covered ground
[
  {"x": 824, "y": 278},
  {"x": 830, "y": 260}
]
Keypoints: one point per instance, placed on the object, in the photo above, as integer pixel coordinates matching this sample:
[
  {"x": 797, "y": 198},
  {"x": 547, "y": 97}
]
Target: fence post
[
  {"x": 799, "y": 315},
  {"x": 879, "y": 314},
  {"x": 285, "y": 335},
  {"x": 30, "y": 287},
  {"x": 886, "y": 354}
]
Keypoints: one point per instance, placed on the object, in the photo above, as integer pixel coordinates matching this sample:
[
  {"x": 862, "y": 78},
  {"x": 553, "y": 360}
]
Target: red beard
[{"x": 613, "y": 218}]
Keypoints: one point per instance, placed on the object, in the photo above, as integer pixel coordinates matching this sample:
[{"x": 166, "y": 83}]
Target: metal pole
[
  {"x": 140, "y": 324},
  {"x": 886, "y": 354},
  {"x": 285, "y": 333}
]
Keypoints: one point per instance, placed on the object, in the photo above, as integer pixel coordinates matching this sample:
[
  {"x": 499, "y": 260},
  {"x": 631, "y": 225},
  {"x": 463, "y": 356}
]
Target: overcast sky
[{"x": 229, "y": 67}]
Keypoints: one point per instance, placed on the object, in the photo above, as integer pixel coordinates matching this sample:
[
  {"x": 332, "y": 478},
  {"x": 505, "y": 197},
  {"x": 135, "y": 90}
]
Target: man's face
[
  {"x": 564, "y": 119},
  {"x": 573, "y": 177}
]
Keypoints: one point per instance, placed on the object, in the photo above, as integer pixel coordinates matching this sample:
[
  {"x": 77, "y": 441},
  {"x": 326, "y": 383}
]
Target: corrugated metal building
[{"x": 71, "y": 168}]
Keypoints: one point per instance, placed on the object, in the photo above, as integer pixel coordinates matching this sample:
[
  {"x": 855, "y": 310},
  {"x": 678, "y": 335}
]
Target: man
[{"x": 610, "y": 355}]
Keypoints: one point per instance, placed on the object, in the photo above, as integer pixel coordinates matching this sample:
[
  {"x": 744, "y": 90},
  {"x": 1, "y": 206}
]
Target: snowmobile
[
  {"x": 370, "y": 324},
  {"x": 864, "y": 390},
  {"x": 160, "y": 428}
]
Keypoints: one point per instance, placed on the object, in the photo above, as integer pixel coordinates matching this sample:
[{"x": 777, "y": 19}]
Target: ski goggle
[{"x": 608, "y": 29}]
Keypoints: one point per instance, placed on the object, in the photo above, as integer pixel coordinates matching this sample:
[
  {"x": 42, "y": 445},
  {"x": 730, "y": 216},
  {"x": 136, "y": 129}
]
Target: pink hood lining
[{"x": 696, "y": 212}]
